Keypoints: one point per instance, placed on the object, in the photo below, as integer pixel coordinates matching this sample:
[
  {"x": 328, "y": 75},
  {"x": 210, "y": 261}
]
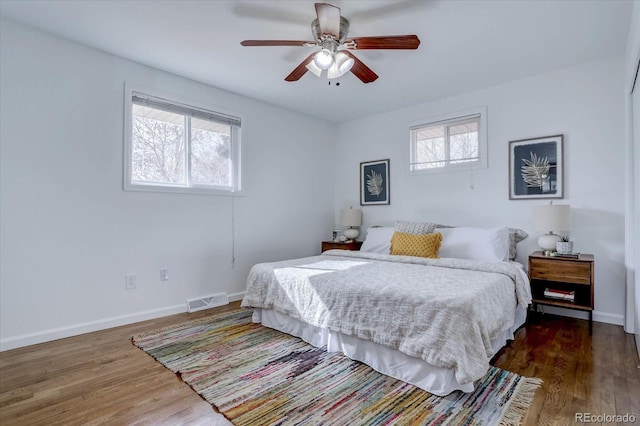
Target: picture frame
[
  {"x": 536, "y": 168},
  {"x": 374, "y": 183}
]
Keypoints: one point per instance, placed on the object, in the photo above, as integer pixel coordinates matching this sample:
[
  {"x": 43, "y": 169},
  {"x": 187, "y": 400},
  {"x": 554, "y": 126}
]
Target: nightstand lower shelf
[{"x": 561, "y": 304}]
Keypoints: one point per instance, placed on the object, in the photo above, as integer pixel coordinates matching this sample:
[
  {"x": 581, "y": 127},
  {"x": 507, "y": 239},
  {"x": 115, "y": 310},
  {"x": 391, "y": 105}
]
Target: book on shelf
[{"x": 551, "y": 293}]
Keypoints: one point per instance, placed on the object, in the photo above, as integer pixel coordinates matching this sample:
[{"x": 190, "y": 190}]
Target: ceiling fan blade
[
  {"x": 328, "y": 19},
  {"x": 383, "y": 42},
  {"x": 300, "y": 70},
  {"x": 277, "y": 43},
  {"x": 360, "y": 70}
]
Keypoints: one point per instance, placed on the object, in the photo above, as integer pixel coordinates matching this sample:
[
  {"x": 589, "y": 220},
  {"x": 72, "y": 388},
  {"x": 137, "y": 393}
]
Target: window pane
[
  {"x": 469, "y": 127},
  {"x": 430, "y": 148},
  {"x": 157, "y": 153},
  {"x": 463, "y": 142},
  {"x": 433, "y": 132},
  {"x": 211, "y": 162},
  {"x": 430, "y": 153}
]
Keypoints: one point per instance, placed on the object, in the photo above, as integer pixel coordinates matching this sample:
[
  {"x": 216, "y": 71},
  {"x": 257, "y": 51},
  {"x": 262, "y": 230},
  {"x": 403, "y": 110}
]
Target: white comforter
[{"x": 445, "y": 311}]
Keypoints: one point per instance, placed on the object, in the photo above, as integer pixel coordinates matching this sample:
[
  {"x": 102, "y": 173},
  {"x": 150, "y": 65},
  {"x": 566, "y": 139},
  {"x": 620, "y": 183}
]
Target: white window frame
[
  {"x": 190, "y": 187},
  {"x": 451, "y": 118}
]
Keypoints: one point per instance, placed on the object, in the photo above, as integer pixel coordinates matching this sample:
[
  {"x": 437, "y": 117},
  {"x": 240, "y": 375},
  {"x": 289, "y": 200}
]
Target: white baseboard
[
  {"x": 597, "y": 316},
  {"x": 234, "y": 297},
  {"x": 88, "y": 327},
  {"x": 608, "y": 318}
]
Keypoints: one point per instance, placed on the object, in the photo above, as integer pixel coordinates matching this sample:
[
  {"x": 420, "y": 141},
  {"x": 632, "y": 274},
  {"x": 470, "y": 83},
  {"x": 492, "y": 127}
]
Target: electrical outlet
[
  {"x": 164, "y": 275},
  {"x": 131, "y": 281}
]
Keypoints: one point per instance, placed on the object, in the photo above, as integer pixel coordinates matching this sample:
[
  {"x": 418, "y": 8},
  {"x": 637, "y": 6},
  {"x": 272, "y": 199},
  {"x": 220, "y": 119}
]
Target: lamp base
[
  {"x": 351, "y": 233},
  {"x": 548, "y": 242}
]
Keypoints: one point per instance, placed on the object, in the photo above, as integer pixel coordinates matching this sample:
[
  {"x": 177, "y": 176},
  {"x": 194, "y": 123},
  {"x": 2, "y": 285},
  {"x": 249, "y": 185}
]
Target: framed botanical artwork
[
  {"x": 536, "y": 168},
  {"x": 374, "y": 182}
]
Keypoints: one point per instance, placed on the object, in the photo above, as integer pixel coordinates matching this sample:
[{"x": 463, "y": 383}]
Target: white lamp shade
[
  {"x": 333, "y": 71},
  {"x": 345, "y": 64},
  {"x": 552, "y": 217},
  {"x": 323, "y": 59},
  {"x": 351, "y": 217},
  {"x": 341, "y": 65},
  {"x": 311, "y": 66}
]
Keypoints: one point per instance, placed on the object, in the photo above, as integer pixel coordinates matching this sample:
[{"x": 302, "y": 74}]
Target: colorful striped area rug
[{"x": 255, "y": 375}]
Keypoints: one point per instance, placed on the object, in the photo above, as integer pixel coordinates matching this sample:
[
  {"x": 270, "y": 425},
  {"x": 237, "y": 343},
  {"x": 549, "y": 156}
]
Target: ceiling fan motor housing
[{"x": 319, "y": 37}]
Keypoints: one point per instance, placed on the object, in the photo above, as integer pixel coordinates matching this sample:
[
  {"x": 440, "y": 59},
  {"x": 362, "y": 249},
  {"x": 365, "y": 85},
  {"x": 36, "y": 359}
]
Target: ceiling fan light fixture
[
  {"x": 344, "y": 62},
  {"x": 323, "y": 59},
  {"x": 311, "y": 66},
  {"x": 333, "y": 72},
  {"x": 341, "y": 65}
]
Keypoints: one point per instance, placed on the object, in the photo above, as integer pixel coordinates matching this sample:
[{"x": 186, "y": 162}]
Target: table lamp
[
  {"x": 352, "y": 218},
  {"x": 549, "y": 218}
]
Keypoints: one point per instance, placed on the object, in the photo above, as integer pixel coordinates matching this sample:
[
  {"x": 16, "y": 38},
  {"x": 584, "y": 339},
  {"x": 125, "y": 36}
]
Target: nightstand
[
  {"x": 353, "y": 245},
  {"x": 558, "y": 276}
]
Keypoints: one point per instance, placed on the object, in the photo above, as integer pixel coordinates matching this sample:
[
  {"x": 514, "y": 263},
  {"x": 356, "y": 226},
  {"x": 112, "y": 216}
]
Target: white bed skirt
[{"x": 436, "y": 380}]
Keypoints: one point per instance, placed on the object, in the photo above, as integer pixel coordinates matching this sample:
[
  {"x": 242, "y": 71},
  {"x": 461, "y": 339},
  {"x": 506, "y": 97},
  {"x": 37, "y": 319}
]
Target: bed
[{"x": 431, "y": 322}]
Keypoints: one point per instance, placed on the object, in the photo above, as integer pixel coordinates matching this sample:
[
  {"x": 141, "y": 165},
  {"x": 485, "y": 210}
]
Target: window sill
[
  {"x": 457, "y": 168},
  {"x": 182, "y": 190}
]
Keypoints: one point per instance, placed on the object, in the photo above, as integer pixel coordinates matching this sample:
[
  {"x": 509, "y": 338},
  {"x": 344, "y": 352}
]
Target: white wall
[
  {"x": 69, "y": 231},
  {"x": 584, "y": 103}
]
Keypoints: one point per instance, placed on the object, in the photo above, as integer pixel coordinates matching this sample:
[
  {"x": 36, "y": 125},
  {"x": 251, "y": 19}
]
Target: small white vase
[{"x": 564, "y": 247}]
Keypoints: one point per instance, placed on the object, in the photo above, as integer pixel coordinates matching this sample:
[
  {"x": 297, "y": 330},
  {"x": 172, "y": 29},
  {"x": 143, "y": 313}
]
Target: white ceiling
[{"x": 465, "y": 45}]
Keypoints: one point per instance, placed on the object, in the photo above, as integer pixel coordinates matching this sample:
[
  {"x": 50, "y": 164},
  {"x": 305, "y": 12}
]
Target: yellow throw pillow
[{"x": 425, "y": 245}]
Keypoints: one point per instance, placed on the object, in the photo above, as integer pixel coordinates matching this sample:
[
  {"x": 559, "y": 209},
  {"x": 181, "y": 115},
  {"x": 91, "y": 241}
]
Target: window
[
  {"x": 178, "y": 148},
  {"x": 449, "y": 143}
]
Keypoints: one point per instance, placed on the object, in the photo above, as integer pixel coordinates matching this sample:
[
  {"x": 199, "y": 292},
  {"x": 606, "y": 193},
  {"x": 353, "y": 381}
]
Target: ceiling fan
[{"x": 330, "y": 32}]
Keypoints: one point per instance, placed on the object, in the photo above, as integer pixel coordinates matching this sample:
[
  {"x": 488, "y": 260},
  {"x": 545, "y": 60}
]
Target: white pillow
[
  {"x": 378, "y": 240},
  {"x": 475, "y": 243}
]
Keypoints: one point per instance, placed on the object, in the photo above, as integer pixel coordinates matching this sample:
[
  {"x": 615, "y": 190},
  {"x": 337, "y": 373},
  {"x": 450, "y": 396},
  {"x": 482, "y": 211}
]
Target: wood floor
[
  {"x": 594, "y": 374},
  {"x": 101, "y": 378}
]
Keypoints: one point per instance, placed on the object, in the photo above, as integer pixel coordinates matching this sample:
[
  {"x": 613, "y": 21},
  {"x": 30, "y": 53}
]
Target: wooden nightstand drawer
[
  {"x": 569, "y": 272},
  {"x": 330, "y": 245}
]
